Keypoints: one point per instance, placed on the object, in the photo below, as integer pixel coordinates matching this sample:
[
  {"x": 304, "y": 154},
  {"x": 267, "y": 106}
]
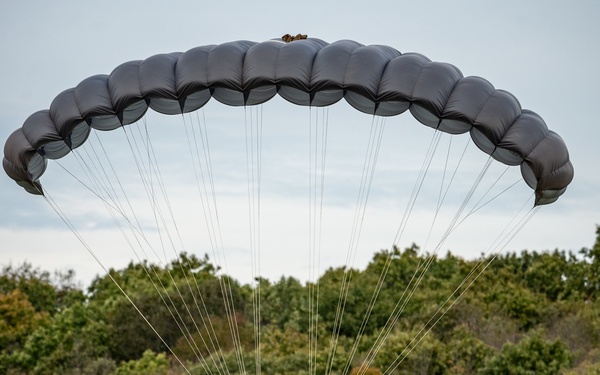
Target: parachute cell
[{"x": 376, "y": 79}]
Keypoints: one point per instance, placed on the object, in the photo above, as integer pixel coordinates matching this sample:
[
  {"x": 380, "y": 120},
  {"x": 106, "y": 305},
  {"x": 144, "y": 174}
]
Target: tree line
[{"x": 528, "y": 312}]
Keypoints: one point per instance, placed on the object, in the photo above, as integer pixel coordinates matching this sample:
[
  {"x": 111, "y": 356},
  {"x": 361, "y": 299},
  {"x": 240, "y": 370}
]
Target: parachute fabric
[{"x": 374, "y": 79}]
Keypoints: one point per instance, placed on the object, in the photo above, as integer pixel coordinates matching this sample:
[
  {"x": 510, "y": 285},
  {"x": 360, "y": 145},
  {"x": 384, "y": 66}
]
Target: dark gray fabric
[
  {"x": 65, "y": 113},
  {"x": 22, "y": 154},
  {"x": 125, "y": 92},
  {"x": 375, "y": 79},
  {"x": 39, "y": 129}
]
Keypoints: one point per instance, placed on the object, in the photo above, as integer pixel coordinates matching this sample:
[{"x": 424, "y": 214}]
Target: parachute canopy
[{"x": 375, "y": 79}]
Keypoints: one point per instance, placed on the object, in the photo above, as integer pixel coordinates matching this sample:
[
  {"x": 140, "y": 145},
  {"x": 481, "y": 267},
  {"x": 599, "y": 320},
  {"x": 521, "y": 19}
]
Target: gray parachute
[{"x": 374, "y": 79}]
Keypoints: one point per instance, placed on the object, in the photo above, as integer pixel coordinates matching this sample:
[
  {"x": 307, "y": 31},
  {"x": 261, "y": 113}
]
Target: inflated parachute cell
[{"x": 374, "y": 79}]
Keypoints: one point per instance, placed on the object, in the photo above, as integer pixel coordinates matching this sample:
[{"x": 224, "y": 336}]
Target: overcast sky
[{"x": 546, "y": 53}]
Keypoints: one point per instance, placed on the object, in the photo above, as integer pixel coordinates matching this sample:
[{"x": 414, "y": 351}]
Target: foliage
[
  {"x": 529, "y": 312},
  {"x": 150, "y": 364},
  {"x": 18, "y": 320},
  {"x": 44, "y": 291},
  {"x": 72, "y": 339},
  {"x": 533, "y": 355}
]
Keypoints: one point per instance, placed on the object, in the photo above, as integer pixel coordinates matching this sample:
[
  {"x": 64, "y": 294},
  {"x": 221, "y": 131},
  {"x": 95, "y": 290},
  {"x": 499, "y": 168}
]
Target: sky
[{"x": 546, "y": 53}]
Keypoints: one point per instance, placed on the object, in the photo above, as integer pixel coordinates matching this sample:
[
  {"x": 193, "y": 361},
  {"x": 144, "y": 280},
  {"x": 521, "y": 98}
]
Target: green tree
[
  {"x": 74, "y": 337},
  {"x": 412, "y": 353},
  {"x": 466, "y": 353},
  {"x": 284, "y": 303},
  {"x": 46, "y": 291},
  {"x": 532, "y": 355},
  {"x": 592, "y": 272},
  {"x": 149, "y": 364},
  {"x": 33, "y": 282},
  {"x": 18, "y": 320}
]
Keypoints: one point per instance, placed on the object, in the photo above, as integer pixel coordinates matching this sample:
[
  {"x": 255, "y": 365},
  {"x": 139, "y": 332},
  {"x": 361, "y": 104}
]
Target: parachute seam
[
  {"x": 311, "y": 92},
  {"x": 525, "y": 159},
  {"x": 487, "y": 100},
  {"x": 442, "y": 116},
  {"x": 376, "y": 100},
  {"x": 449, "y": 95},
  {"x": 475, "y": 121}
]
